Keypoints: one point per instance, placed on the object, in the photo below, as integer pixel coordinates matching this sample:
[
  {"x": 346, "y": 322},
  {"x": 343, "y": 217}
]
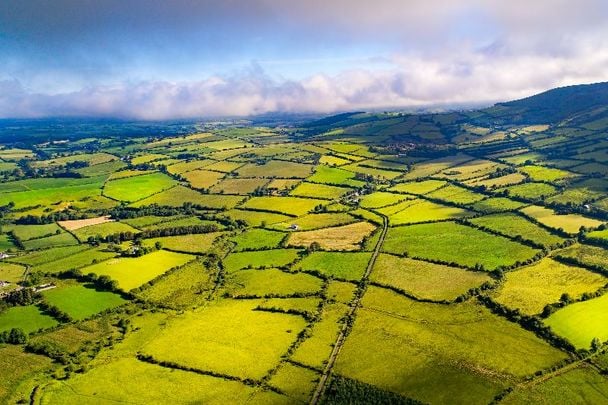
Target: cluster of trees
[
  {"x": 55, "y": 312},
  {"x": 16, "y": 239},
  {"x": 345, "y": 391},
  {"x": 153, "y": 233},
  {"x": 123, "y": 212},
  {"x": 64, "y": 215},
  {"x": 15, "y": 336},
  {"x": 21, "y": 297},
  {"x": 101, "y": 283}
]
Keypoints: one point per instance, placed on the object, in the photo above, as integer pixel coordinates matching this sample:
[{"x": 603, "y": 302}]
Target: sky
[{"x": 154, "y": 60}]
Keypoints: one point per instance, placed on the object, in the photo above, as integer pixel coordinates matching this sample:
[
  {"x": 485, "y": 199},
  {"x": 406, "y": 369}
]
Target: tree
[
  {"x": 596, "y": 344},
  {"x": 314, "y": 247},
  {"x": 16, "y": 337}
]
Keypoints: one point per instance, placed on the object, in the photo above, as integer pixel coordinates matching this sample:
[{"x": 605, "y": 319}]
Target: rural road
[{"x": 351, "y": 313}]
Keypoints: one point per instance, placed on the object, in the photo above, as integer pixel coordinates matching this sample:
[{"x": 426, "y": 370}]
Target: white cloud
[
  {"x": 463, "y": 76},
  {"x": 445, "y": 54}
]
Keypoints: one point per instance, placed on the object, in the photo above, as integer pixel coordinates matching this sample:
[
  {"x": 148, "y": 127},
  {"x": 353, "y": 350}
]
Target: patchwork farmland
[{"x": 364, "y": 258}]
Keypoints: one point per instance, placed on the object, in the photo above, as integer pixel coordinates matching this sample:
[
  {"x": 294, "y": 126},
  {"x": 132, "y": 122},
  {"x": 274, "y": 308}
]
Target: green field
[
  {"x": 530, "y": 191},
  {"x": 381, "y": 199},
  {"x": 334, "y": 175},
  {"x": 260, "y": 258},
  {"x": 423, "y": 279},
  {"x": 323, "y": 191},
  {"x": 474, "y": 247},
  {"x": 411, "y": 348},
  {"x": 315, "y": 221},
  {"x": 102, "y": 230},
  {"x": 586, "y": 255},
  {"x": 197, "y": 243},
  {"x": 582, "y": 385},
  {"x": 29, "y": 319},
  {"x": 419, "y": 187},
  {"x": 256, "y": 239},
  {"x": 136, "y": 188},
  {"x": 570, "y": 223},
  {"x": 345, "y": 266},
  {"x": 270, "y": 283},
  {"x": 27, "y": 232},
  {"x": 133, "y": 272},
  {"x": 227, "y": 338},
  {"x": 77, "y": 260},
  {"x": 17, "y": 367},
  {"x": 81, "y": 302},
  {"x": 61, "y": 239},
  {"x": 425, "y": 211},
  {"x": 187, "y": 287},
  {"x": 145, "y": 383},
  {"x": 515, "y": 226},
  {"x": 580, "y": 323},
  {"x": 531, "y": 288},
  {"x": 295, "y": 206},
  {"x": 178, "y": 195}
]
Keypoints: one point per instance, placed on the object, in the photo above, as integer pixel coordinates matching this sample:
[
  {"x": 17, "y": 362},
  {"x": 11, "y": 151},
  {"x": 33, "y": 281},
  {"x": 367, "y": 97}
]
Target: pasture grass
[
  {"x": 418, "y": 187},
  {"x": 570, "y": 223},
  {"x": 17, "y": 366},
  {"x": 323, "y": 191},
  {"x": 187, "y": 287},
  {"x": 77, "y": 260},
  {"x": 585, "y": 254},
  {"x": 530, "y": 288},
  {"x": 295, "y": 206},
  {"x": 202, "y": 179},
  {"x": 238, "y": 186},
  {"x": 135, "y": 381},
  {"x": 582, "y": 385},
  {"x": 436, "y": 241},
  {"x": 411, "y": 348},
  {"x": 423, "y": 279},
  {"x": 381, "y": 199},
  {"x": 195, "y": 243},
  {"x": 581, "y": 322},
  {"x": 315, "y": 350},
  {"x": 315, "y": 221},
  {"x": 27, "y": 318},
  {"x": 456, "y": 195},
  {"x": 345, "y": 266},
  {"x": 515, "y": 226},
  {"x": 260, "y": 258},
  {"x": 542, "y": 173},
  {"x": 178, "y": 195},
  {"x": 296, "y": 382},
  {"x": 61, "y": 239},
  {"x": 346, "y": 237},
  {"x": 256, "y": 239},
  {"x": 227, "y": 337},
  {"x": 496, "y": 204},
  {"x": 136, "y": 188},
  {"x": 103, "y": 230},
  {"x": 270, "y": 282},
  {"x": 425, "y": 211},
  {"x": 81, "y": 302},
  {"x": 530, "y": 191},
  {"x": 333, "y": 175},
  {"x": 133, "y": 272}
]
